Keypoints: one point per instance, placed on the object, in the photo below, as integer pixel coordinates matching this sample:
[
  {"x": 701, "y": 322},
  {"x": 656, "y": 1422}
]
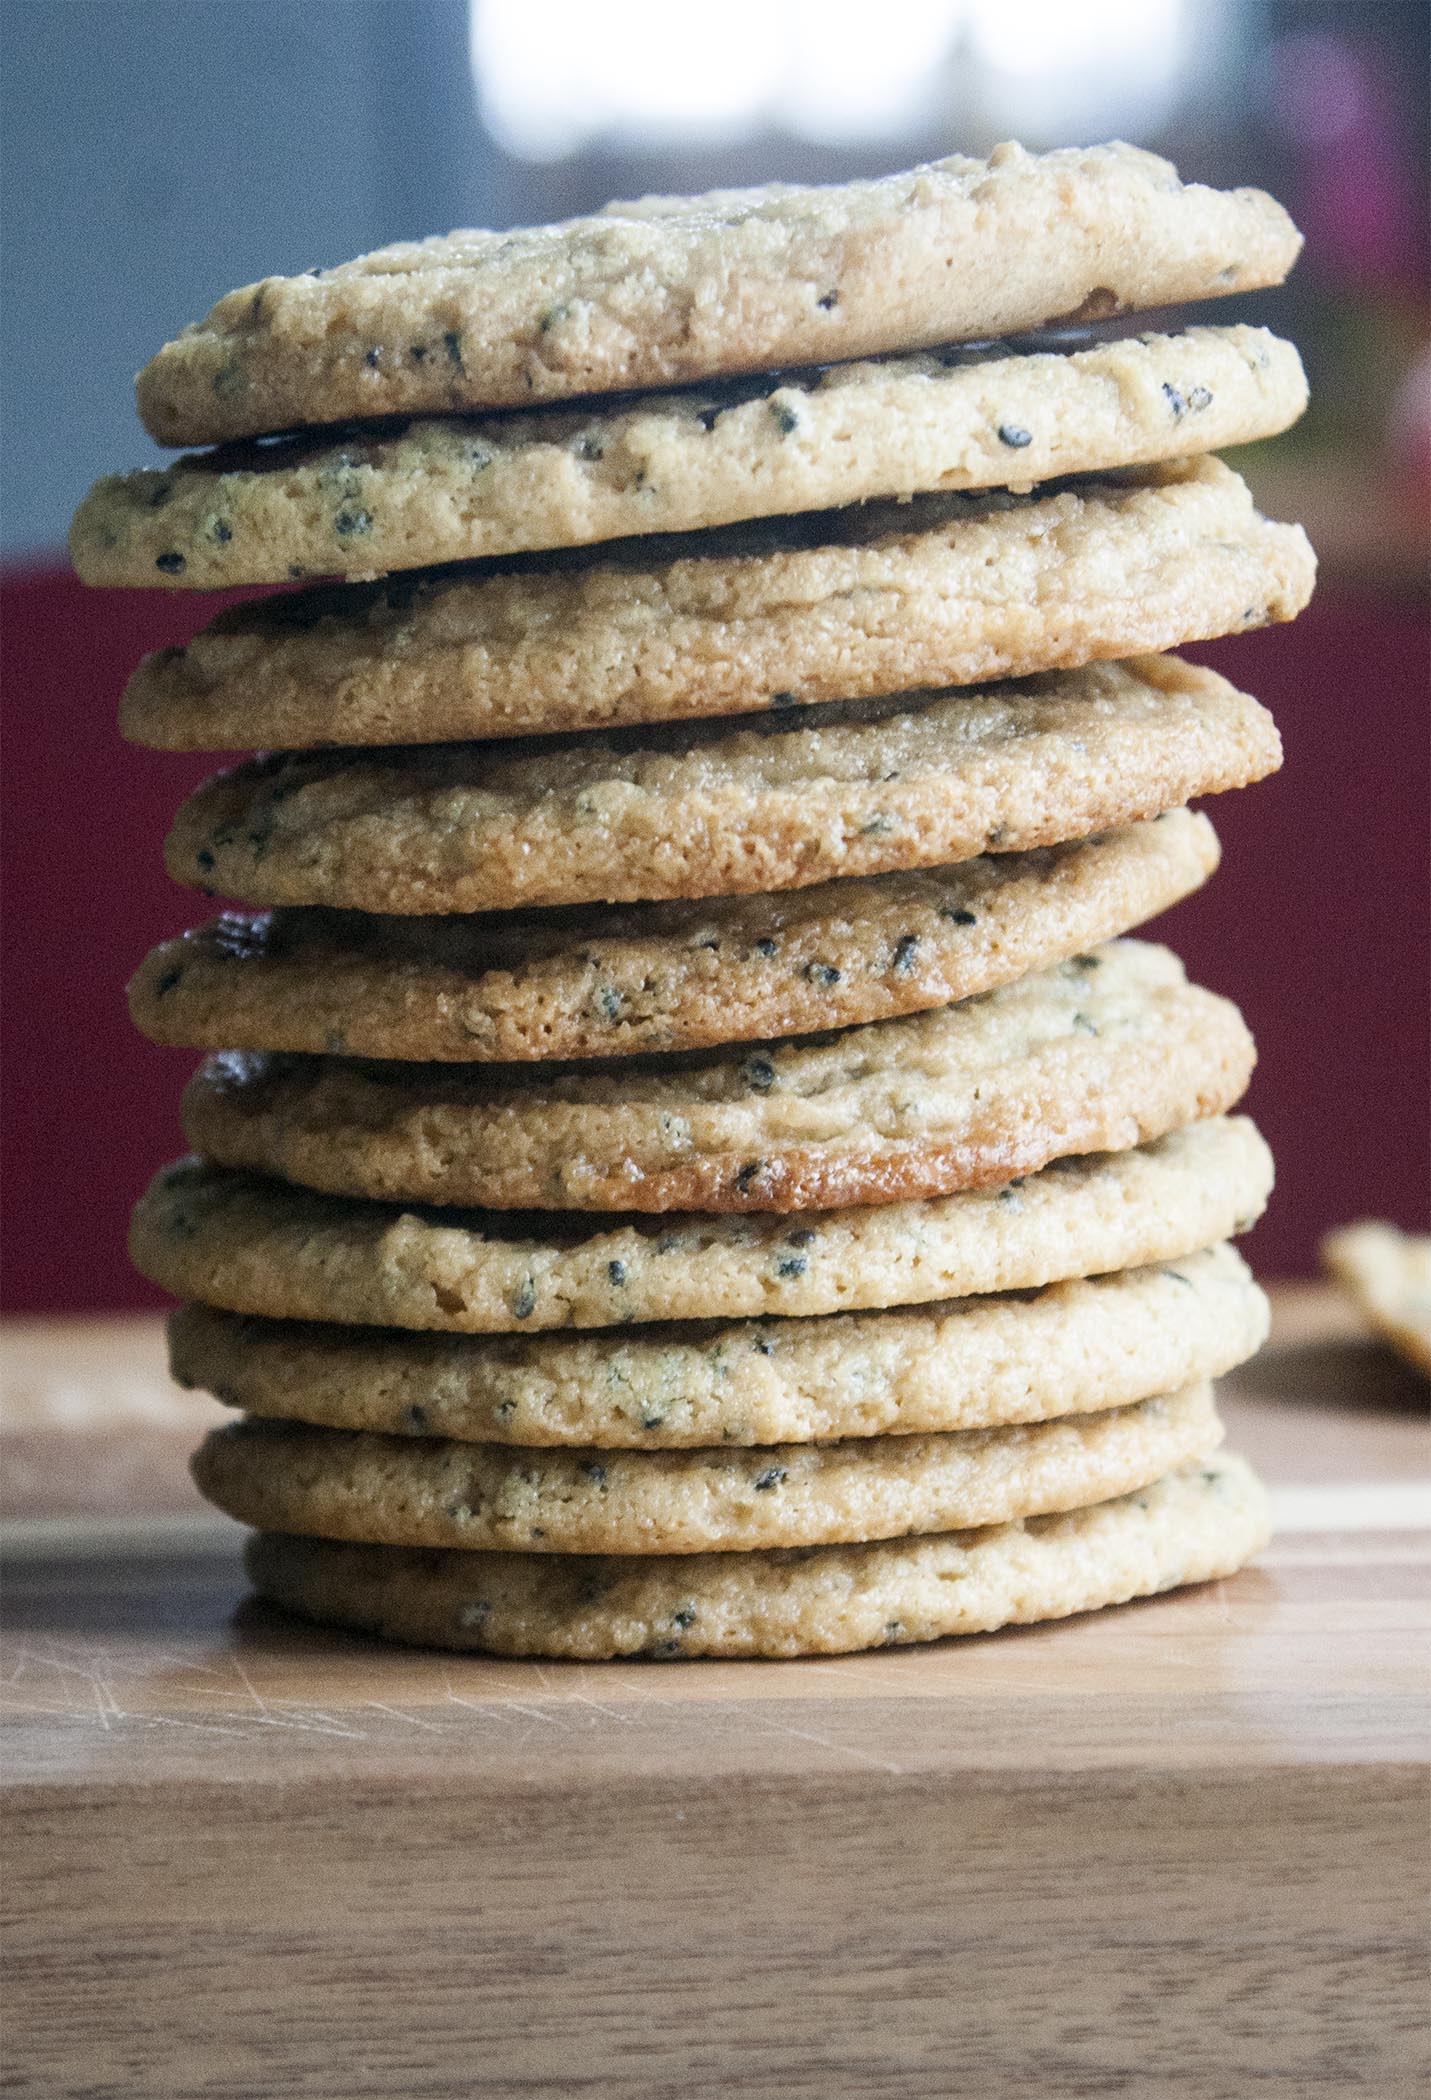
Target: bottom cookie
[{"x": 1201, "y": 1522}]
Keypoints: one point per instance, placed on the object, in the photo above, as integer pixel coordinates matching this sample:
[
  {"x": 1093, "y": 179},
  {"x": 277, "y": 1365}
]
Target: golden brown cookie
[
  {"x": 967, "y": 1363},
  {"x": 670, "y": 289},
  {"x": 362, "y": 501},
  {"x": 863, "y": 789},
  {"x": 1193, "y": 1525},
  {"x": 1098, "y": 1054},
  {"x": 256, "y": 1246},
  {"x": 429, "y": 1491},
  {"x": 841, "y": 605},
  {"x": 594, "y": 982}
]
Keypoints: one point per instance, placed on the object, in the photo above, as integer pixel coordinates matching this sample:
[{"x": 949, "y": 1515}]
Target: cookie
[
  {"x": 608, "y": 982},
  {"x": 677, "y": 288},
  {"x": 841, "y": 605},
  {"x": 1100, "y": 1053},
  {"x": 364, "y": 500},
  {"x": 970, "y": 1363},
  {"x": 864, "y": 788},
  {"x": 254, "y": 1246},
  {"x": 394, "y": 1491},
  {"x": 1204, "y": 1521},
  {"x": 1388, "y": 1273}
]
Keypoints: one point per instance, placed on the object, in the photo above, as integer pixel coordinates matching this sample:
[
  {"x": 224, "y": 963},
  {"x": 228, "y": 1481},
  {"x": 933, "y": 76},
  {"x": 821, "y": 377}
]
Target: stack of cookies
[{"x": 688, "y": 1161}]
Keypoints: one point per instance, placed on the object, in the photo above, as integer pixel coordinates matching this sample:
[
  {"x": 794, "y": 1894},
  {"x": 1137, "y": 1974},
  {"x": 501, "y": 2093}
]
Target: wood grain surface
[{"x": 1175, "y": 1849}]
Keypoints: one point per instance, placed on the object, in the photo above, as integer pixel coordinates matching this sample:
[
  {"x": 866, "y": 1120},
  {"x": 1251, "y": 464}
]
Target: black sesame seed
[
  {"x": 608, "y": 1000},
  {"x": 759, "y": 1073},
  {"x": 616, "y": 1272},
  {"x": 1015, "y": 435},
  {"x": 588, "y": 447},
  {"x": 415, "y": 1420},
  {"x": 652, "y": 1421},
  {"x": 822, "y": 973},
  {"x": 763, "y": 1346},
  {"x": 747, "y": 1174},
  {"x": 352, "y": 524},
  {"x": 1085, "y": 1025},
  {"x": 905, "y": 950},
  {"x": 787, "y": 419},
  {"x": 709, "y": 417},
  {"x": 168, "y": 981},
  {"x": 373, "y": 358},
  {"x": 171, "y": 562},
  {"x": 594, "y": 1471},
  {"x": 221, "y": 532},
  {"x": 204, "y": 860},
  {"x": 784, "y": 700},
  {"x": 957, "y": 916},
  {"x": 1199, "y": 397},
  {"x": 452, "y": 344},
  {"x": 770, "y": 1478},
  {"x": 1175, "y": 400},
  {"x": 686, "y": 1616},
  {"x": 418, "y": 352},
  {"x": 791, "y": 1265},
  {"x": 829, "y": 302},
  {"x": 524, "y": 1302},
  {"x": 805, "y": 1237},
  {"x": 765, "y": 946}
]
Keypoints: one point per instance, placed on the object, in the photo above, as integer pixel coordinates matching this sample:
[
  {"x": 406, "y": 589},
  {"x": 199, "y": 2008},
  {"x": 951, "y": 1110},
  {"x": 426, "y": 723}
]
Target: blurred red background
[{"x": 1317, "y": 924}]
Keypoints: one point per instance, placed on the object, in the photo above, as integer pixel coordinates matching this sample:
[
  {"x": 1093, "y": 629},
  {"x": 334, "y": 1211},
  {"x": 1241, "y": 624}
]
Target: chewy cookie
[
  {"x": 678, "y": 288},
  {"x": 1072, "y": 1348},
  {"x": 859, "y": 789},
  {"x": 841, "y": 605},
  {"x": 974, "y": 1363},
  {"x": 341, "y": 1484},
  {"x": 1193, "y": 1525},
  {"x": 609, "y": 982},
  {"x": 364, "y": 500},
  {"x": 1101, "y": 1053},
  {"x": 1388, "y": 1273},
  {"x": 254, "y": 1246}
]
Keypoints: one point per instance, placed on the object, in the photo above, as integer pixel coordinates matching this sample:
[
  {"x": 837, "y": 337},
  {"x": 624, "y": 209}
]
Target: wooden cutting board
[{"x": 1176, "y": 1849}]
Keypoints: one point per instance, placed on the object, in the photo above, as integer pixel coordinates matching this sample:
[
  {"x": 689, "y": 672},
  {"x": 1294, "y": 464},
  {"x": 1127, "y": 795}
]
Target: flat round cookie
[
  {"x": 604, "y": 982},
  {"x": 841, "y": 605},
  {"x": 676, "y": 288},
  {"x": 973, "y": 1363},
  {"x": 1098, "y": 1054},
  {"x": 860, "y": 789},
  {"x": 255, "y": 1246},
  {"x": 367, "y": 499},
  {"x": 1202, "y": 1522},
  {"x": 394, "y": 1491},
  {"x": 1388, "y": 1274}
]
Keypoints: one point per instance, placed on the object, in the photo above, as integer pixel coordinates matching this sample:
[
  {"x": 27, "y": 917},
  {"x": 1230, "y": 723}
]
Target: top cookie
[
  {"x": 680, "y": 288},
  {"x": 363, "y": 500}
]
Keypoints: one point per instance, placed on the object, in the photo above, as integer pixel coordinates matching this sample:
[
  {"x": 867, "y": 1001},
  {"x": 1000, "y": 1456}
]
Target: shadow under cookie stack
[{"x": 688, "y": 1161}]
